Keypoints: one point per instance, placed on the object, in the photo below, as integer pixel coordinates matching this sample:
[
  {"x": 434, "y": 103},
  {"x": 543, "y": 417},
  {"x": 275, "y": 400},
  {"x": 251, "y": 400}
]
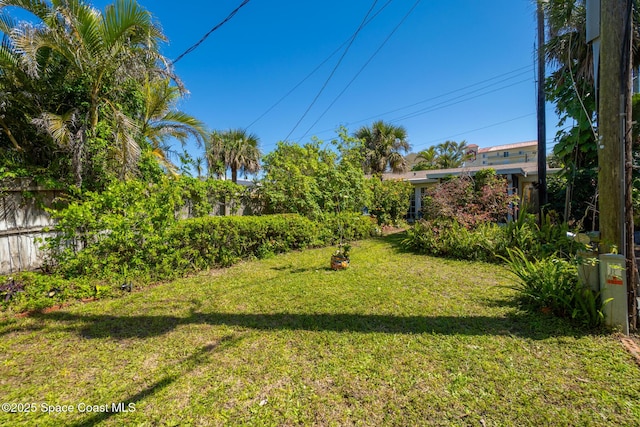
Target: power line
[
  {"x": 335, "y": 68},
  {"x": 445, "y": 104},
  {"x": 477, "y": 129},
  {"x": 286, "y": 95},
  {"x": 448, "y": 102},
  {"x": 527, "y": 68},
  {"x": 404, "y": 18},
  {"x": 224, "y": 21}
]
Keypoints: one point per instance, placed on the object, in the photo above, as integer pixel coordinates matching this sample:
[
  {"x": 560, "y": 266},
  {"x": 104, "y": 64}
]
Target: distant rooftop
[{"x": 509, "y": 146}]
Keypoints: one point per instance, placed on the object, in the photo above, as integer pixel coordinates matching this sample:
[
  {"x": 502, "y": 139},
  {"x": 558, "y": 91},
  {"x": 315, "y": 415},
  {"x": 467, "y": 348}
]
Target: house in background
[
  {"x": 521, "y": 152},
  {"x": 518, "y": 163}
]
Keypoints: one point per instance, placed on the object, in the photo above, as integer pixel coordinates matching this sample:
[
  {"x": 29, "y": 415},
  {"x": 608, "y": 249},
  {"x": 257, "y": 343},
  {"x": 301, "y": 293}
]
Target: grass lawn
[{"x": 398, "y": 339}]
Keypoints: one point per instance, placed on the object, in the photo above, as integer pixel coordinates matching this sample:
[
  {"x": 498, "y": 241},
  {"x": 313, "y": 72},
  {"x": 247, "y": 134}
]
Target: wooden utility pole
[
  {"x": 611, "y": 179},
  {"x": 542, "y": 127},
  {"x": 627, "y": 87},
  {"x": 615, "y": 144}
]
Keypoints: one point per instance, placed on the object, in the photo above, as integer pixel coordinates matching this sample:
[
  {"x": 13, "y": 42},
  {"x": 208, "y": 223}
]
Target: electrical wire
[
  {"x": 445, "y": 104},
  {"x": 335, "y": 68},
  {"x": 461, "y": 98},
  {"x": 286, "y": 95},
  {"x": 199, "y": 42},
  {"x": 404, "y": 18}
]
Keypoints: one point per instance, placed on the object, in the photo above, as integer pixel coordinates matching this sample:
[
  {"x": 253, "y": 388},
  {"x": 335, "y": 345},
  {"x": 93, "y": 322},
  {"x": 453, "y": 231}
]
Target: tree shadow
[
  {"x": 527, "y": 325},
  {"x": 191, "y": 362},
  {"x": 395, "y": 241}
]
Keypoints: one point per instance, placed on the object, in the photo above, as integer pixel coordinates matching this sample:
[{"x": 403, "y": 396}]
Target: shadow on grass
[
  {"x": 395, "y": 241},
  {"x": 183, "y": 367},
  {"x": 526, "y": 325}
]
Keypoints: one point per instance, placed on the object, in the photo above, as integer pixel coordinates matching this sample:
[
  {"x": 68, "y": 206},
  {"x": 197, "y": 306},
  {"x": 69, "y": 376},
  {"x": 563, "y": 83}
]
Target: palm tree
[
  {"x": 451, "y": 154},
  {"x": 383, "y": 147},
  {"x": 236, "y": 149},
  {"x": 160, "y": 120},
  {"x": 101, "y": 53},
  {"x": 426, "y": 159}
]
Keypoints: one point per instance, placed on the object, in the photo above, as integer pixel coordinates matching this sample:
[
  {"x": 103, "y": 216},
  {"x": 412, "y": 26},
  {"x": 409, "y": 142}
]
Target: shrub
[
  {"x": 200, "y": 243},
  {"x": 469, "y": 201},
  {"x": 390, "y": 200},
  {"x": 551, "y": 285},
  {"x": 447, "y": 238}
]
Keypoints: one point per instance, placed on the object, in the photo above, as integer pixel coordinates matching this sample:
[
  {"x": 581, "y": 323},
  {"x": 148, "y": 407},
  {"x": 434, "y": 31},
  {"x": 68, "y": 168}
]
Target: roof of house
[
  {"x": 524, "y": 169},
  {"x": 509, "y": 146}
]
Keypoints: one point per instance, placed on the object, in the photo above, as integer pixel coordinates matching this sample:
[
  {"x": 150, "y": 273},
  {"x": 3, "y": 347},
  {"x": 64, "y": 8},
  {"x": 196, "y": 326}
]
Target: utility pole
[
  {"x": 542, "y": 136},
  {"x": 611, "y": 177},
  {"x": 615, "y": 141},
  {"x": 627, "y": 125}
]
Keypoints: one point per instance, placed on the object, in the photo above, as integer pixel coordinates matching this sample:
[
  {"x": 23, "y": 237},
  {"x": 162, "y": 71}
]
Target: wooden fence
[{"x": 23, "y": 222}]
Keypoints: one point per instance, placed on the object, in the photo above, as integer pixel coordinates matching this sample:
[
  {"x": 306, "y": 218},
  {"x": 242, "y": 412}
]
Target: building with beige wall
[{"x": 521, "y": 152}]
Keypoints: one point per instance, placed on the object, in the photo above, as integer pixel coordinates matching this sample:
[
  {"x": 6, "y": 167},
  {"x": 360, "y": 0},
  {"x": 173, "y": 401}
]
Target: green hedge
[
  {"x": 205, "y": 242},
  {"x": 188, "y": 245}
]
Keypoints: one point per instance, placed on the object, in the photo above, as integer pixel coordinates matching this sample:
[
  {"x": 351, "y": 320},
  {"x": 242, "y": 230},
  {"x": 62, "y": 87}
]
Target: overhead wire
[
  {"x": 335, "y": 68},
  {"x": 286, "y": 95},
  {"x": 461, "y": 98},
  {"x": 445, "y": 104},
  {"x": 404, "y": 18},
  {"x": 199, "y": 42}
]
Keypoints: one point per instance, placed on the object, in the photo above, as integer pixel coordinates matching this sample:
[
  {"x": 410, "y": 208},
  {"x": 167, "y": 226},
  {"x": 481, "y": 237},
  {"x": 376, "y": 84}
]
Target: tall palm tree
[
  {"x": 100, "y": 51},
  {"x": 236, "y": 149},
  {"x": 160, "y": 120},
  {"x": 383, "y": 147}
]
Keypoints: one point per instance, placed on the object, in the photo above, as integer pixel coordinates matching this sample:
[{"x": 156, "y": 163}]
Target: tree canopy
[
  {"x": 384, "y": 146},
  {"x": 85, "y": 93}
]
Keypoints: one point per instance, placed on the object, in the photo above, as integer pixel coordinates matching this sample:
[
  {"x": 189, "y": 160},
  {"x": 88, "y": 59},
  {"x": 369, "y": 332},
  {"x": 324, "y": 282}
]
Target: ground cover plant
[{"x": 397, "y": 339}]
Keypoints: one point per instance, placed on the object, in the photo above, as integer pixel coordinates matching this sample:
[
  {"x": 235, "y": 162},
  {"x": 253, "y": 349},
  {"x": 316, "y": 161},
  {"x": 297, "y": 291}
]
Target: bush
[
  {"x": 447, "y": 238},
  {"x": 468, "y": 201},
  {"x": 390, "y": 200},
  {"x": 199, "y": 243},
  {"x": 551, "y": 285}
]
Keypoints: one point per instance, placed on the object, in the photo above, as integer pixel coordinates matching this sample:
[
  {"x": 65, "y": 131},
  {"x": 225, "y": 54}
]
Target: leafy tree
[
  {"x": 384, "y": 145},
  {"x": 236, "y": 149},
  {"x": 311, "y": 180},
  {"x": 83, "y": 71},
  {"x": 389, "y": 200}
]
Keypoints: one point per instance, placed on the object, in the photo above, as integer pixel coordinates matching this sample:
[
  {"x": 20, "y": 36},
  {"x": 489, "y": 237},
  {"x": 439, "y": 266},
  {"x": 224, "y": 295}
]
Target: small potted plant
[{"x": 340, "y": 258}]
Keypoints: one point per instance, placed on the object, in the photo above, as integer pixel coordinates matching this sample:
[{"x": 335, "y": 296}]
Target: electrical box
[{"x": 613, "y": 284}]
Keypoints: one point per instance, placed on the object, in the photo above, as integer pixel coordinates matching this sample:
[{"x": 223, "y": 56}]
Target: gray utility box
[{"x": 613, "y": 284}]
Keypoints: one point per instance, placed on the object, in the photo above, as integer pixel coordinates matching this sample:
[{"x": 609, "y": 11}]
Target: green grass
[{"x": 397, "y": 339}]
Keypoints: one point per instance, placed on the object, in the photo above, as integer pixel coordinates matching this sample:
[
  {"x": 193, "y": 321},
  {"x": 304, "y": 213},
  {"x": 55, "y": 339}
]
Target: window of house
[{"x": 506, "y": 154}]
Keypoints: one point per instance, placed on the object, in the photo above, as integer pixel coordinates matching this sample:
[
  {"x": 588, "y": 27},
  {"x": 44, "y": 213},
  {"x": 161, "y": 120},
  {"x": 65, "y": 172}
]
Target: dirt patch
[{"x": 632, "y": 344}]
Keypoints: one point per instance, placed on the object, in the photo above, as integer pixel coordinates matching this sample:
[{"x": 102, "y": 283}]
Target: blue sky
[{"x": 455, "y": 69}]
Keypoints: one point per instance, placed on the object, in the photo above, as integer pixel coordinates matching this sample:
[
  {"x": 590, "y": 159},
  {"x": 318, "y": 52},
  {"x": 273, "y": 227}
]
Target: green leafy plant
[
  {"x": 551, "y": 285},
  {"x": 390, "y": 200}
]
